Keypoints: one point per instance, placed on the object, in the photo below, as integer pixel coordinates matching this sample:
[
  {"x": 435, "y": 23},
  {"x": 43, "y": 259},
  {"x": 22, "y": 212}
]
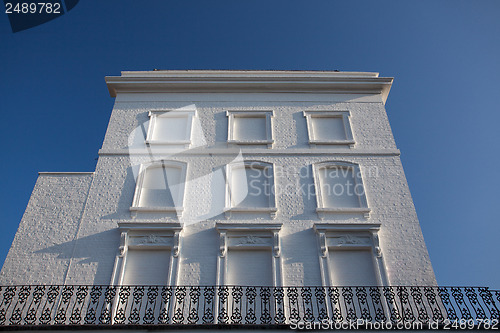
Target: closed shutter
[
  {"x": 352, "y": 268},
  {"x": 147, "y": 267},
  {"x": 250, "y": 268},
  {"x": 170, "y": 129},
  {"x": 328, "y": 128}
]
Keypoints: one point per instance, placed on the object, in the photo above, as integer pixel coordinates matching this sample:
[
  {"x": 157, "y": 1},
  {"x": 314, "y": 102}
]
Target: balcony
[{"x": 80, "y": 306}]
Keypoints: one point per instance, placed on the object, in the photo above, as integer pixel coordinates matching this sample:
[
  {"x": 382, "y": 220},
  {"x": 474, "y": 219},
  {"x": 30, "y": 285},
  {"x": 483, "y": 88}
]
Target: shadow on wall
[{"x": 96, "y": 252}]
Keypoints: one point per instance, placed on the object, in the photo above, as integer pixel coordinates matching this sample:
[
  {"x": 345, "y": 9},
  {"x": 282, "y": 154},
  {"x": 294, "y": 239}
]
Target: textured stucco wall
[
  {"x": 46, "y": 237},
  {"x": 113, "y": 185}
]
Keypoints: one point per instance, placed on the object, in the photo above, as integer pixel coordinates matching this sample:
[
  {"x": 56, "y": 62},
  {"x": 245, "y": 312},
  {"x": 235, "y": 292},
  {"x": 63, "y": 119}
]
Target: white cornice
[{"x": 250, "y": 81}]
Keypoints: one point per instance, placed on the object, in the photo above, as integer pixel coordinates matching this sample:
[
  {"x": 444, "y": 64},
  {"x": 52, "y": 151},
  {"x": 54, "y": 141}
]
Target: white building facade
[{"x": 231, "y": 178}]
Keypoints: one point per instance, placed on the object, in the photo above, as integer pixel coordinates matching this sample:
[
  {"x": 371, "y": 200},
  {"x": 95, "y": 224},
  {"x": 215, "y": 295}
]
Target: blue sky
[{"x": 443, "y": 105}]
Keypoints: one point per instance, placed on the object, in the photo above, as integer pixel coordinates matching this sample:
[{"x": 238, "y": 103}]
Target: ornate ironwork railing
[{"x": 70, "y": 305}]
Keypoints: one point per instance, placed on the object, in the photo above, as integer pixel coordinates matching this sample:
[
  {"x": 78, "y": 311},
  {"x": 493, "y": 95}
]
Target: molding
[
  {"x": 250, "y": 240},
  {"x": 330, "y": 151},
  {"x": 349, "y": 236},
  {"x": 267, "y": 114},
  {"x": 175, "y": 248},
  {"x": 324, "y": 212},
  {"x": 166, "y": 226},
  {"x": 322, "y": 244},
  {"x": 343, "y": 114},
  {"x": 123, "y": 244},
  {"x": 225, "y": 227},
  {"x": 250, "y": 81},
  {"x": 276, "y": 244},
  {"x": 350, "y": 143},
  {"x": 271, "y": 210},
  {"x": 326, "y": 227},
  {"x": 251, "y": 142},
  {"x": 147, "y": 236},
  {"x": 177, "y": 210},
  {"x": 376, "y": 243},
  {"x": 222, "y": 244}
]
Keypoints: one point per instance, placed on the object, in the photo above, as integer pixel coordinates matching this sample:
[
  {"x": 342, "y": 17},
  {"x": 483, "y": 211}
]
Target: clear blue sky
[{"x": 443, "y": 107}]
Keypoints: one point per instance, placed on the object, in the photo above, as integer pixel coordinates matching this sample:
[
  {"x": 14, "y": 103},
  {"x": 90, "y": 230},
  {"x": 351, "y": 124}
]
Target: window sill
[
  {"x": 177, "y": 210},
  {"x": 269, "y": 143},
  {"x": 185, "y": 143},
  {"x": 314, "y": 143},
  {"x": 270, "y": 210},
  {"x": 323, "y": 212}
]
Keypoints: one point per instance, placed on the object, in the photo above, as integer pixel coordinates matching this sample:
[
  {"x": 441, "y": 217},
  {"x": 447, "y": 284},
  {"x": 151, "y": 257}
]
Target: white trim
[
  {"x": 317, "y": 82},
  {"x": 356, "y": 171},
  {"x": 326, "y": 232},
  {"x": 267, "y": 233},
  {"x": 268, "y": 114},
  {"x": 179, "y": 200},
  {"x": 313, "y": 141},
  {"x": 144, "y": 236},
  {"x": 173, "y": 113},
  {"x": 229, "y": 207},
  {"x": 337, "y": 151}
]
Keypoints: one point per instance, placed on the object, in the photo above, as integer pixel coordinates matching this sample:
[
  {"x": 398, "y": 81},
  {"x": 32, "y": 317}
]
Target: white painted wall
[{"x": 69, "y": 231}]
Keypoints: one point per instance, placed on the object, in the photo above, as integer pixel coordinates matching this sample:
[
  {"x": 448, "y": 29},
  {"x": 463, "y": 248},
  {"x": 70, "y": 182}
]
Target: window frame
[
  {"x": 268, "y": 114},
  {"x": 230, "y": 208},
  {"x": 313, "y": 142},
  {"x": 171, "y": 113},
  {"x": 327, "y": 232},
  {"x": 243, "y": 236},
  {"x": 139, "y": 187},
  {"x": 142, "y": 236},
  {"x": 321, "y": 210}
]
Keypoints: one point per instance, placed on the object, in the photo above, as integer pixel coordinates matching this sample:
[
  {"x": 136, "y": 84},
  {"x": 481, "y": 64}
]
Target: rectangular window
[
  {"x": 146, "y": 267},
  {"x": 329, "y": 128},
  {"x": 351, "y": 254},
  {"x": 250, "y": 128},
  {"x": 170, "y": 128},
  {"x": 249, "y": 254},
  {"x": 352, "y": 267},
  {"x": 250, "y": 268}
]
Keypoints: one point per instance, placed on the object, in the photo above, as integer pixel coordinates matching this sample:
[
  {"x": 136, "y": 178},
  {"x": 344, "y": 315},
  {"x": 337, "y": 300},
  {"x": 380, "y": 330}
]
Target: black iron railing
[{"x": 101, "y": 306}]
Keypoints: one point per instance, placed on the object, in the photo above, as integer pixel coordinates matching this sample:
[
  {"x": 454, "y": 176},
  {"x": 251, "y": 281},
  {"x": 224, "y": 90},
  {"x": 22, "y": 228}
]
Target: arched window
[
  {"x": 160, "y": 187},
  {"x": 339, "y": 188},
  {"x": 250, "y": 187}
]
